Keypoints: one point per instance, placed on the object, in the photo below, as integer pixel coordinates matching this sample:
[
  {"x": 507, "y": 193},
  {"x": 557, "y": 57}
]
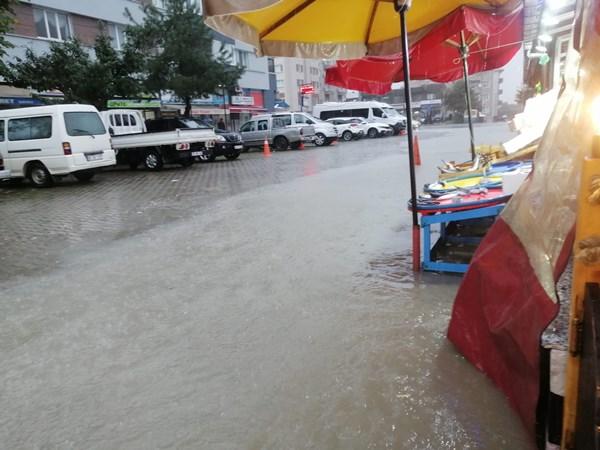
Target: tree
[
  {"x": 177, "y": 52},
  {"x": 523, "y": 94},
  {"x": 81, "y": 77},
  {"x": 7, "y": 19},
  {"x": 455, "y": 100}
]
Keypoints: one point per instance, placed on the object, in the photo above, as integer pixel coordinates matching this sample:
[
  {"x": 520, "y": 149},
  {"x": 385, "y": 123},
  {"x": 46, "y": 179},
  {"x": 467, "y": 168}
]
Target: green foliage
[
  {"x": 524, "y": 93},
  {"x": 177, "y": 53},
  {"x": 7, "y": 20},
  {"x": 455, "y": 100},
  {"x": 71, "y": 69}
]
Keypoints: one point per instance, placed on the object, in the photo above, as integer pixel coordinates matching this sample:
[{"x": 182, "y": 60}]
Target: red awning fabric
[{"x": 495, "y": 40}]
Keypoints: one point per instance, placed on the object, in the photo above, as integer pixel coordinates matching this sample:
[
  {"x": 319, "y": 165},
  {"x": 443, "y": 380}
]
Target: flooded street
[{"x": 254, "y": 304}]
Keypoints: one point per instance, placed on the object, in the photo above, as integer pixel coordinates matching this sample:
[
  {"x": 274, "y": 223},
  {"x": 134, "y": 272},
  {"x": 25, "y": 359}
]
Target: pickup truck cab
[
  {"x": 43, "y": 143},
  {"x": 324, "y": 133},
  {"x": 280, "y": 137},
  {"x": 152, "y": 144}
]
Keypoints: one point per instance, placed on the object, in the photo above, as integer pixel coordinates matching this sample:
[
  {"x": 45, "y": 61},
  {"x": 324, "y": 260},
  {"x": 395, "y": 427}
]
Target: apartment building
[
  {"x": 488, "y": 86},
  {"x": 40, "y": 22},
  {"x": 291, "y": 73}
]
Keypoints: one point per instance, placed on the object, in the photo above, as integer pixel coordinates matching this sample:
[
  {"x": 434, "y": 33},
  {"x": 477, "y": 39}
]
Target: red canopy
[{"x": 494, "y": 39}]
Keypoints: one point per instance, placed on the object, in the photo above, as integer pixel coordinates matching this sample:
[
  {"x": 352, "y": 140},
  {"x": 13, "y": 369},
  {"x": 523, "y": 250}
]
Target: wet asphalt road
[{"x": 248, "y": 304}]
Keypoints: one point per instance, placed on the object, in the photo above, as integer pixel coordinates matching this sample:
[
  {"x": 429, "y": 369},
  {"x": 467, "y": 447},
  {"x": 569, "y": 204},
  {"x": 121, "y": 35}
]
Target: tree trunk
[{"x": 188, "y": 107}]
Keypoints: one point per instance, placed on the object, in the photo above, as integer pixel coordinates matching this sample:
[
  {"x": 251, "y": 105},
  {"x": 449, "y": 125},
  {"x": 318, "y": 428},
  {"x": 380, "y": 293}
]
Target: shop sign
[
  {"x": 242, "y": 100},
  {"x": 135, "y": 103}
]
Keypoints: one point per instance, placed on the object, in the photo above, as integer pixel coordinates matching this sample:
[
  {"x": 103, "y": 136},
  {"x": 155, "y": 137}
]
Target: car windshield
[
  {"x": 84, "y": 123},
  {"x": 189, "y": 123},
  {"x": 314, "y": 119},
  {"x": 391, "y": 112}
]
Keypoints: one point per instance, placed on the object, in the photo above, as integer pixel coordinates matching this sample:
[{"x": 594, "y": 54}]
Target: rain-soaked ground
[{"x": 249, "y": 304}]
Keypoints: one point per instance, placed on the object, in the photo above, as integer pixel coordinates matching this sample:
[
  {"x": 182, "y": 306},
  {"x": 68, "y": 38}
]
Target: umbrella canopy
[
  {"x": 332, "y": 29},
  {"x": 493, "y": 40}
]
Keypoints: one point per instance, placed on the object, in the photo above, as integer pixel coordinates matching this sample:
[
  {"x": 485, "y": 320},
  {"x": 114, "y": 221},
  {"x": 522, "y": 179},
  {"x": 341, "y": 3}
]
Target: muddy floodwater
[{"x": 254, "y": 304}]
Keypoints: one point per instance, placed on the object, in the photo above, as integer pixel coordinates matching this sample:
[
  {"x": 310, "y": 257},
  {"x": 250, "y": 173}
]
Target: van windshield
[
  {"x": 391, "y": 112},
  {"x": 84, "y": 123}
]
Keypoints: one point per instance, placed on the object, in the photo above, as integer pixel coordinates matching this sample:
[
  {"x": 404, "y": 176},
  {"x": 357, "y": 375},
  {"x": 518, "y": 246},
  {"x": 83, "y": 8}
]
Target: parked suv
[
  {"x": 347, "y": 129},
  {"x": 230, "y": 145},
  {"x": 280, "y": 137},
  {"x": 324, "y": 133}
]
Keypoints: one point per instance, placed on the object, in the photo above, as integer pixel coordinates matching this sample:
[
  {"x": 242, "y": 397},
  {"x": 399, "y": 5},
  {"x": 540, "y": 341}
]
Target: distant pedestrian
[{"x": 221, "y": 124}]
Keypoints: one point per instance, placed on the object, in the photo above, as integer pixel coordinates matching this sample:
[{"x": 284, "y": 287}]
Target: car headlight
[{"x": 221, "y": 138}]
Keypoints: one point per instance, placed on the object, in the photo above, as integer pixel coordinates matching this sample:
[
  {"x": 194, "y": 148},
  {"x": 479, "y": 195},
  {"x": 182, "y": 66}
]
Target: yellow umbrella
[
  {"x": 339, "y": 29},
  {"x": 332, "y": 29}
]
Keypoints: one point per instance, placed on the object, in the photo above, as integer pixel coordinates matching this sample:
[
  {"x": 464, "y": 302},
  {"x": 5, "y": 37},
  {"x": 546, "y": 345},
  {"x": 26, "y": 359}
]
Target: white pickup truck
[{"x": 134, "y": 145}]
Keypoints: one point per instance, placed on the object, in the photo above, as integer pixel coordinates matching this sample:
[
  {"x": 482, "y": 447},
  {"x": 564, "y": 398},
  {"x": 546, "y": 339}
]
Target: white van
[
  {"x": 43, "y": 142},
  {"x": 370, "y": 110}
]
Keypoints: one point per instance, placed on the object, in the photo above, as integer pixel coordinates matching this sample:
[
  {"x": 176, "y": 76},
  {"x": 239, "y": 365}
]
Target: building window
[
  {"x": 299, "y": 68},
  {"x": 117, "y": 35},
  {"x": 242, "y": 58},
  {"x": 52, "y": 25},
  {"x": 299, "y": 82},
  {"x": 271, "y": 65},
  {"x": 278, "y": 68}
]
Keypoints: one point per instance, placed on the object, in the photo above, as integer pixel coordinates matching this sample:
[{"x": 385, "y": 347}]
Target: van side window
[
  {"x": 132, "y": 120},
  {"x": 118, "y": 120},
  {"x": 377, "y": 112},
  {"x": 110, "y": 118},
  {"x": 247, "y": 127},
  {"x": 30, "y": 128},
  {"x": 1, "y": 130},
  {"x": 126, "y": 120},
  {"x": 364, "y": 112},
  {"x": 263, "y": 125},
  {"x": 333, "y": 113}
]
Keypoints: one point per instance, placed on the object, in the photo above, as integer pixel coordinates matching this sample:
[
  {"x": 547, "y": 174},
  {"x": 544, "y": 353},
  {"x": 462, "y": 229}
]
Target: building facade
[
  {"x": 291, "y": 73},
  {"x": 488, "y": 86},
  {"x": 40, "y": 22}
]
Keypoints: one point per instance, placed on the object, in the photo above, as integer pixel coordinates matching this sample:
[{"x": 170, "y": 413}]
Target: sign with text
[
  {"x": 242, "y": 100},
  {"x": 306, "y": 89}
]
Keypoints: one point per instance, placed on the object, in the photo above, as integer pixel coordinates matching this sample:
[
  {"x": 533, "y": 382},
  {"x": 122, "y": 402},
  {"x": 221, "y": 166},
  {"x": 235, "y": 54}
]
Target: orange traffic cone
[
  {"x": 301, "y": 146},
  {"x": 416, "y": 150},
  {"x": 266, "y": 149}
]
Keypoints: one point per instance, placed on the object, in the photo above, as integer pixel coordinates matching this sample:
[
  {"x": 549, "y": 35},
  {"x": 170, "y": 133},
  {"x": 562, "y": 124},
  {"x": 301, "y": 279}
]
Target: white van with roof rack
[
  {"x": 370, "y": 110},
  {"x": 44, "y": 142}
]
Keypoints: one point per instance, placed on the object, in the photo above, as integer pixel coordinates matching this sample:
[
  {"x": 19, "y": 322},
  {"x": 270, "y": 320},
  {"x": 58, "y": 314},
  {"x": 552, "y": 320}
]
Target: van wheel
[
  {"x": 372, "y": 133},
  {"x": 347, "y": 135},
  {"x": 84, "y": 176},
  {"x": 280, "y": 143},
  {"x": 39, "y": 175},
  {"x": 153, "y": 160}
]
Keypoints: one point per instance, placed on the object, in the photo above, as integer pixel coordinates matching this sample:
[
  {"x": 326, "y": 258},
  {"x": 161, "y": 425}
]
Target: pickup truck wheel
[
  {"x": 232, "y": 157},
  {"x": 320, "y": 139},
  {"x": 372, "y": 133},
  {"x": 39, "y": 175},
  {"x": 84, "y": 176},
  {"x": 153, "y": 160},
  {"x": 347, "y": 135},
  {"x": 280, "y": 143}
]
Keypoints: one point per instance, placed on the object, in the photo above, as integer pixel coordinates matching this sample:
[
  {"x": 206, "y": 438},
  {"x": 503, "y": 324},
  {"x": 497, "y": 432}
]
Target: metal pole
[
  {"x": 464, "y": 54},
  {"x": 224, "y": 107},
  {"x": 402, "y": 7}
]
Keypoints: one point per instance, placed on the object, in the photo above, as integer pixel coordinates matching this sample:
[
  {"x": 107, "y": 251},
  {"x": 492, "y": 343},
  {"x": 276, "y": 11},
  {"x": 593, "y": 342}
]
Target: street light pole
[{"x": 224, "y": 107}]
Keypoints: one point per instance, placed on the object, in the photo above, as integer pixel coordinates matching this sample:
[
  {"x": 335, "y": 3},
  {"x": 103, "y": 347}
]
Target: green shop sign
[{"x": 140, "y": 103}]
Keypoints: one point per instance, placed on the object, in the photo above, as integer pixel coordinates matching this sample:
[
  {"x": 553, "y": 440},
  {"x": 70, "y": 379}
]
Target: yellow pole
[{"x": 586, "y": 269}]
